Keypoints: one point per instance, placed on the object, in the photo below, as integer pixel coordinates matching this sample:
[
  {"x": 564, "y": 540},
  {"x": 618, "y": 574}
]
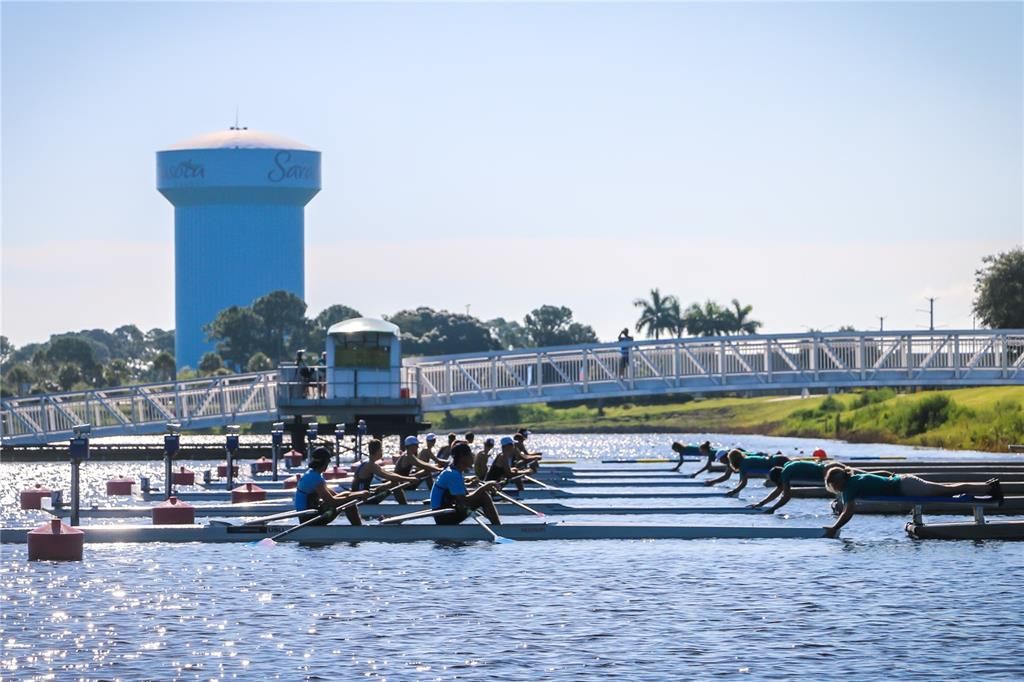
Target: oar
[
  {"x": 531, "y": 479},
  {"x": 478, "y": 517},
  {"x": 426, "y": 513},
  {"x": 517, "y": 503},
  {"x": 264, "y": 520},
  {"x": 330, "y": 513}
]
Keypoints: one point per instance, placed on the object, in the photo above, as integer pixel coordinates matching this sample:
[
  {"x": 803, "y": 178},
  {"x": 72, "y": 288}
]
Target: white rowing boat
[
  {"x": 467, "y": 532},
  {"x": 375, "y": 510},
  {"x": 416, "y": 495},
  {"x": 666, "y": 482}
]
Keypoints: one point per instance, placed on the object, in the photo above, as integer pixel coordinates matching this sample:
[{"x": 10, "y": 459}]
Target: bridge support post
[
  {"x": 230, "y": 449},
  {"x": 276, "y": 439},
  {"x": 171, "y": 443}
]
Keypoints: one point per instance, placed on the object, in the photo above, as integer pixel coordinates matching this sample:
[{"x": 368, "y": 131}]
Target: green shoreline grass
[{"x": 989, "y": 418}]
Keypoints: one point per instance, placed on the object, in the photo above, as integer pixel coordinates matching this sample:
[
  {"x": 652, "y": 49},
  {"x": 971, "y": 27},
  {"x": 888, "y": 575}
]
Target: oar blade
[{"x": 266, "y": 543}]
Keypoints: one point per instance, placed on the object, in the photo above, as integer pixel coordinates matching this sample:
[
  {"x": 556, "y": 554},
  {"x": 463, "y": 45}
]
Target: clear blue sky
[{"x": 827, "y": 163}]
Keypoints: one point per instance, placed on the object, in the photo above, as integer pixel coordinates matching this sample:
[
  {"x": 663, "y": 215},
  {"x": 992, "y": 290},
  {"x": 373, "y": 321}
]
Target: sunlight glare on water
[{"x": 873, "y": 605}]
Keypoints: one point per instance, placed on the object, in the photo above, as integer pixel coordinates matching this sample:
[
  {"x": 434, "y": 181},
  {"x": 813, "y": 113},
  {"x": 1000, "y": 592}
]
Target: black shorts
[{"x": 452, "y": 519}]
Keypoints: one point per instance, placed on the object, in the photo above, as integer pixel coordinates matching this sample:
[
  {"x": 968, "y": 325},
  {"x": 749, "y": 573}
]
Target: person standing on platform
[{"x": 625, "y": 341}]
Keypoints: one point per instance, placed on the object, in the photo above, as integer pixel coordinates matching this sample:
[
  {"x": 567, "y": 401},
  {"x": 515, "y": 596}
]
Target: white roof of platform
[{"x": 359, "y": 325}]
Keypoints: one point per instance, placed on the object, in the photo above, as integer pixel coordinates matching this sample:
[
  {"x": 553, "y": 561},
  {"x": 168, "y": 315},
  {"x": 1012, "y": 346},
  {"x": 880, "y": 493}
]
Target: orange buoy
[
  {"x": 248, "y": 492},
  {"x": 820, "y": 454},
  {"x": 294, "y": 458},
  {"x": 183, "y": 477},
  {"x": 263, "y": 465},
  {"x": 32, "y": 498},
  {"x": 335, "y": 473},
  {"x": 120, "y": 486},
  {"x": 291, "y": 482},
  {"x": 55, "y": 541},
  {"x": 222, "y": 470},
  {"x": 173, "y": 511}
]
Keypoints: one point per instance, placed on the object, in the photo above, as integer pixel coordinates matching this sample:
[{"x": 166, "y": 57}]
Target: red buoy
[
  {"x": 264, "y": 465},
  {"x": 294, "y": 458},
  {"x": 32, "y": 498},
  {"x": 120, "y": 486},
  {"x": 222, "y": 470},
  {"x": 248, "y": 493},
  {"x": 183, "y": 477},
  {"x": 336, "y": 472},
  {"x": 820, "y": 454},
  {"x": 55, "y": 541},
  {"x": 173, "y": 511},
  {"x": 291, "y": 482}
]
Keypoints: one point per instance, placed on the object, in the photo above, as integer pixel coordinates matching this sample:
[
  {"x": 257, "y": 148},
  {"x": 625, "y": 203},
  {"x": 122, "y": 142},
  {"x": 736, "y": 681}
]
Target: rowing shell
[
  {"x": 416, "y": 495},
  {"x": 374, "y": 510},
  {"x": 422, "y": 532}
]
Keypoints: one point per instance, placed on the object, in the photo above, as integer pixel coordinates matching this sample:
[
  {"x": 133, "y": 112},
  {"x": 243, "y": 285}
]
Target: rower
[
  {"x": 850, "y": 486},
  {"x": 703, "y": 449},
  {"x": 480, "y": 460},
  {"x": 469, "y": 438},
  {"x": 312, "y": 492},
  {"x": 530, "y": 459},
  {"x": 409, "y": 460},
  {"x": 449, "y": 490},
  {"x": 427, "y": 453},
  {"x": 802, "y": 471},
  {"x": 371, "y": 468},
  {"x": 503, "y": 466},
  {"x": 746, "y": 465},
  {"x": 445, "y": 452}
]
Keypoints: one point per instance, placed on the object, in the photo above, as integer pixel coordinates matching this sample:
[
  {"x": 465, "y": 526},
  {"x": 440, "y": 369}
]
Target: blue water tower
[{"x": 239, "y": 198}]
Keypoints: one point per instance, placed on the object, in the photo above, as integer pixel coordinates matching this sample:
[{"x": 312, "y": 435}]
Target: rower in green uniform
[
  {"x": 371, "y": 469},
  {"x": 798, "y": 471},
  {"x": 850, "y": 487},
  {"x": 746, "y": 465},
  {"x": 449, "y": 490},
  {"x": 702, "y": 450},
  {"x": 313, "y": 494}
]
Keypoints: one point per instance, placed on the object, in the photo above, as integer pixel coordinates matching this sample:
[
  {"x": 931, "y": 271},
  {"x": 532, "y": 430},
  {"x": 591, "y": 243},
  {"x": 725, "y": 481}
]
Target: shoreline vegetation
[{"x": 988, "y": 418}]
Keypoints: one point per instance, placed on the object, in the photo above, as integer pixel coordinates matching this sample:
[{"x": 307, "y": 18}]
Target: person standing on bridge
[{"x": 625, "y": 342}]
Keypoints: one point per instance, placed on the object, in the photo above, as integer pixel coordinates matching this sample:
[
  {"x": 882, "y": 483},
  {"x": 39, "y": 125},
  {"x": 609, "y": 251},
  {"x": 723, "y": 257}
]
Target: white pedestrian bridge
[{"x": 748, "y": 364}]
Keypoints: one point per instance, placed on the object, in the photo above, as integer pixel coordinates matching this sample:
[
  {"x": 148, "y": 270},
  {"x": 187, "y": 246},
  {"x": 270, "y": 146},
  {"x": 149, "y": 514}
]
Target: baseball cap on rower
[
  {"x": 721, "y": 455},
  {"x": 431, "y": 437},
  {"x": 507, "y": 440},
  {"x": 489, "y": 441},
  {"x": 411, "y": 440}
]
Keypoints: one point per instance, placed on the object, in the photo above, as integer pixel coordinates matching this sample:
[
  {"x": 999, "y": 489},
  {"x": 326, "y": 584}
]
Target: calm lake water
[{"x": 874, "y": 604}]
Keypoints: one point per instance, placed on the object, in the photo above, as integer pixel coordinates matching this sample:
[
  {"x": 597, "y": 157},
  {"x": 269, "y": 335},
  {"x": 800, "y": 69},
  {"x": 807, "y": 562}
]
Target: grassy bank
[{"x": 971, "y": 418}]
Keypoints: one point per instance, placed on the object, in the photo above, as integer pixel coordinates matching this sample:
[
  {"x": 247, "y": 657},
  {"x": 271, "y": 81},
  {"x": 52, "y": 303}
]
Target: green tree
[
  {"x": 68, "y": 375},
  {"x": 551, "y": 325},
  {"x": 131, "y": 340},
  {"x": 117, "y": 373},
  {"x": 259, "y": 362},
  {"x": 163, "y": 366},
  {"x": 999, "y": 290},
  {"x": 17, "y": 380},
  {"x": 508, "y": 334},
  {"x": 658, "y": 316},
  {"x": 737, "y": 319},
  {"x": 158, "y": 341},
  {"x": 210, "y": 363},
  {"x": 426, "y": 331},
  {"x": 71, "y": 349},
  {"x": 285, "y": 327},
  {"x": 6, "y": 350},
  {"x": 238, "y": 334},
  {"x": 707, "y": 320},
  {"x": 321, "y": 323}
]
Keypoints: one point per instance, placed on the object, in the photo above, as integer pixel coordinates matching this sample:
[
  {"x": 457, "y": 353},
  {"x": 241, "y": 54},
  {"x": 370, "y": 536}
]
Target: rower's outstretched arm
[
  {"x": 787, "y": 495},
  {"x": 767, "y": 498},
  {"x": 706, "y": 467},
  {"x": 844, "y": 518},
  {"x": 739, "y": 486},
  {"x": 721, "y": 479},
  {"x": 381, "y": 472}
]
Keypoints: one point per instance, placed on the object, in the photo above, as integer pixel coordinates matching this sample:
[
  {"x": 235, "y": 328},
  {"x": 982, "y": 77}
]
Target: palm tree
[
  {"x": 738, "y": 320},
  {"x": 710, "y": 319},
  {"x": 658, "y": 315}
]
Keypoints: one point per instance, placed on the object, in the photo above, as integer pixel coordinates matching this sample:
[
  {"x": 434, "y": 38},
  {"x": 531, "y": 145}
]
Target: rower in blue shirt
[
  {"x": 449, "y": 490},
  {"x": 312, "y": 492}
]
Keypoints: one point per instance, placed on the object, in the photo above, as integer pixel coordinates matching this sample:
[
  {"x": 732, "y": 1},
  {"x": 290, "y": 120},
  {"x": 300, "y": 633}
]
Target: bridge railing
[
  {"x": 146, "y": 408},
  {"x": 766, "y": 362}
]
